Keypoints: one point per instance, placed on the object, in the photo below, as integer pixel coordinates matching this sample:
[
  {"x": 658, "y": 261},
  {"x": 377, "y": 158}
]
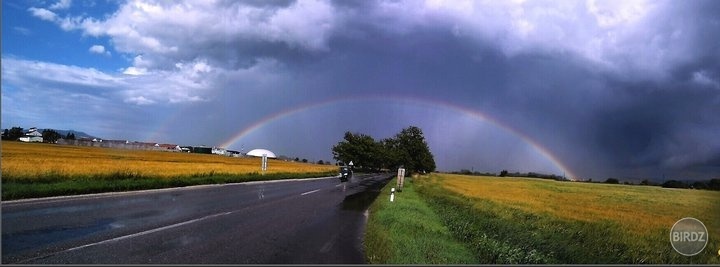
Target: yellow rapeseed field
[
  {"x": 30, "y": 160},
  {"x": 639, "y": 209}
]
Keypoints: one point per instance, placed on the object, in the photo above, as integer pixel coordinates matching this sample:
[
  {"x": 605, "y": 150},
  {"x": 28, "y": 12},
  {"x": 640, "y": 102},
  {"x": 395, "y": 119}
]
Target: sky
[{"x": 588, "y": 89}]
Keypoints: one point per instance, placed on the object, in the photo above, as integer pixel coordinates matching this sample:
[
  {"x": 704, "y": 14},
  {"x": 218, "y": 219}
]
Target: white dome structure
[{"x": 259, "y": 153}]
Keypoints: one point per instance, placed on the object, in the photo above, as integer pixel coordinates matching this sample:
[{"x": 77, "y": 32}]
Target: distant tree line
[
  {"x": 712, "y": 184},
  {"x": 475, "y": 173},
  {"x": 13, "y": 134},
  {"x": 48, "y": 135},
  {"x": 505, "y": 173},
  {"x": 408, "y": 149}
]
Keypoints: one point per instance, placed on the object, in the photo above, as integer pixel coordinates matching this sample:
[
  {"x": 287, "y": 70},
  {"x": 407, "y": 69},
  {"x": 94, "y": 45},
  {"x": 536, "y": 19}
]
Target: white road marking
[
  {"x": 329, "y": 244},
  {"x": 310, "y": 192},
  {"x": 150, "y": 231},
  {"x": 131, "y": 235}
]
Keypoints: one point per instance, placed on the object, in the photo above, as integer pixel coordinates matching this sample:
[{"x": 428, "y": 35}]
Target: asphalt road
[{"x": 278, "y": 222}]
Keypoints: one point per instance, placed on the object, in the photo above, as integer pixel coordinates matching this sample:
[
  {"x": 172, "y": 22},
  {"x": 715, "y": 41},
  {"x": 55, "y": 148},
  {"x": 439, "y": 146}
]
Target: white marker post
[
  {"x": 264, "y": 164},
  {"x": 392, "y": 194}
]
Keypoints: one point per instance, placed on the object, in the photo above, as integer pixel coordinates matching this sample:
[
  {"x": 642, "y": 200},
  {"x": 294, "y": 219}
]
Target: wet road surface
[{"x": 278, "y": 222}]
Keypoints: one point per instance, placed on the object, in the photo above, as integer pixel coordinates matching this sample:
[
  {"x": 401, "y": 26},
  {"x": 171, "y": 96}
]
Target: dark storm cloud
[
  {"x": 603, "y": 122},
  {"x": 627, "y": 88}
]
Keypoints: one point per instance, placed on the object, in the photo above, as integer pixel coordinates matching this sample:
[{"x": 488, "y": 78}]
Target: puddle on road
[{"x": 360, "y": 201}]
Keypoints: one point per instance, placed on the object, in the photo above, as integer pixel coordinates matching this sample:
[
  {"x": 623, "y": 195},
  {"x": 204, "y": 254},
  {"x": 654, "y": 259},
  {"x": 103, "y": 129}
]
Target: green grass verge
[
  {"x": 408, "y": 231},
  {"x": 502, "y": 235},
  {"x": 53, "y": 184}
]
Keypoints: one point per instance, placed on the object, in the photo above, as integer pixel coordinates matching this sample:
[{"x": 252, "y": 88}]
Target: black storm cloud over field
[{"x": 605, "y": 88}]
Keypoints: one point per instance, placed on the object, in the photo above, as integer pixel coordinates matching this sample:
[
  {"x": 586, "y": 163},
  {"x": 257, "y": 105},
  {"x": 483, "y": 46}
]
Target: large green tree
[
  {"x": 359, "y": 148},
  {"x": 50, "y": 136},
  {"x": 15, "y": 133},
  {"x": 389, "y": 156},
  {"x": 408, "y": 149},
  {"x": 412, "y": 152}
]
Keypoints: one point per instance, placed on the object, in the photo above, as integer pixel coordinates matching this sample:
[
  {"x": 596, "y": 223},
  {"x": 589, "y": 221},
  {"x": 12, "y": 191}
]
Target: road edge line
[{"x": 145, "y": 191}]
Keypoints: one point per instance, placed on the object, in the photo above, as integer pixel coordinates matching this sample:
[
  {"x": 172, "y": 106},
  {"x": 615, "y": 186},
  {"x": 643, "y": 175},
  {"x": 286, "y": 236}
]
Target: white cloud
[
  {"x": 634, "y": 38},
  {"x": 703, "y": 78},
  {"x": 139, "y": 100},
  {"x": 61, "y": 4},
  {"x": 134, "y": 71},
  {"x": 24, "y": 72},
  {"x": 22, "y": 30},
  {"x": 43, "y": 14},
  {"x": 99, "y": 49},
  {"x": 186, "y": 84},
  {"x": 610, "y": 13},
  {"x": 197, "y": 27},
  {"x": 306, "y": 24}
]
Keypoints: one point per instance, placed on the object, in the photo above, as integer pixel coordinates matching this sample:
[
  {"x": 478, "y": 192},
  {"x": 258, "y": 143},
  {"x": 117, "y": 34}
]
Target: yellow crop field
[
  {"x": 31, "y": 160},
  {"x": 641, "y": 215},
  {"x": 638, "y": 208}
]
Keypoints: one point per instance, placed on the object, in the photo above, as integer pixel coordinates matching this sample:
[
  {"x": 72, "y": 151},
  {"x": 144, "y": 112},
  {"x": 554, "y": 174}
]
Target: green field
[{"x": 522, "y": 220}]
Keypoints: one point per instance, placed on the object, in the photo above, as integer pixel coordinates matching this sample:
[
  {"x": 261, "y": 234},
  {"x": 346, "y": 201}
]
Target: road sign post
[{"x": 400, "y": 179}]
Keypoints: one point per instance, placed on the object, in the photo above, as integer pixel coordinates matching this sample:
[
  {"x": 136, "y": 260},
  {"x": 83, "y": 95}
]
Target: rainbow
[{"x": 413, "y": 100}]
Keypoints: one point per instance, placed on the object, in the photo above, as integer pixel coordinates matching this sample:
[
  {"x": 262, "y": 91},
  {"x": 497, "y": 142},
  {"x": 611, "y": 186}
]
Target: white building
[
  {"x": 32, "y": 136},
  {"x": 219, "y": 151}
]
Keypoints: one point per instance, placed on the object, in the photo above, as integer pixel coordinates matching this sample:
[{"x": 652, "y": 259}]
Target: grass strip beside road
[
  {"x": 61, "y": 185},
  {"x": 408, "y": 231}
]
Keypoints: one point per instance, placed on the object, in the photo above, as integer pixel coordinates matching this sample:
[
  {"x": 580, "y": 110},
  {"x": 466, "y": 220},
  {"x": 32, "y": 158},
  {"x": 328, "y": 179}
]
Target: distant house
[
  {"x": 234, "y": 153},
  {"x": 144, "y": 145},
  {"x": 219, "y": 150},
  {"x": 32, "y": 136},
  {"x": 170, "y": 147},
  {"x": 196, "y": 149},
  {"x": 114, "y": 143},
  {"x": 201, "y": 150}
]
